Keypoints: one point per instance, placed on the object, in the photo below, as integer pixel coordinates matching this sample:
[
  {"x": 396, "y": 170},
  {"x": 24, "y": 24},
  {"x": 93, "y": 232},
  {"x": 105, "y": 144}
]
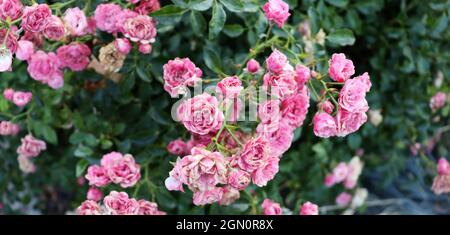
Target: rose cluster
[
  {"x": 350, "y": 109},
  {"x": 19, "y": 98},
  {"x": 119, "y": 203},
  {"x": 30, "y": 148},
  {"x": 114, "y": 168}
]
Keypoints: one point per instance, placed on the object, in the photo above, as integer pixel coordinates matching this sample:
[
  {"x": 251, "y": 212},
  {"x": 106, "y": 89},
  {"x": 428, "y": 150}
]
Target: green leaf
[
  {"x": 313, "y": 19},
  {"x": 143, "y": 75},
  {"x": 46, "y": 131},
  {"x": 342, "y": 37},
  {"x": 168, "y": 14},
  {"x": 233, "y": 30},
  {"x": 217, "y": 20},
  {"x": 83, "y": 151},
  {"x": 338, "y": 3},
  {"x": 81, "y": 167},
  {"x": 212, "y": 60},
  {"x": 200, "y": 5},
  {"x": 233, "y": 5},
  {"x": 198, "y": 23}
]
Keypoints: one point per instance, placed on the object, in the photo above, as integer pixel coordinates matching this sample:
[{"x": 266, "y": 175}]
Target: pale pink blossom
[
  {"x": 276, "y": 11},
  {"x": 271, "y": 208},
  {"x": 303, "y": 74},
  {"x": 55, "y": 29},
  {"x": 324, "y": 125},
  {"x": 239, "y": 179},
  {"x": 207, "y": 197},
  {"x": 123, "y": 45},
  {"x": 178, "y": 74},
  {"x": 21, "y": 98},
  {"x": 352, "y": 96},
  {"x": 329, "y": 180},
  {"x": 254, "y": 154},
  {"x": 229, "y": 87},
  {"x": 229, "y": 196},
  {"x": 282, "y": 84},
  {"x": 25, "y": 49},
  {"x": 118, "y": 203},
  {"x": 121, "y": 169},
  {"x": 344, "y": 199},
  {"x": 106, "y": 17},
  {"x": 279, "y": 139},
  {"x": 96, "y": 175},
  {"x": 266, "y": 172},
  {"x": 438, "y": 101},
  {"x": 326, "y": 106},
  {"x": 11, "y": 9},
  {"x": 341, "y": 68},
  {"x": 340, "y": 172},
  {"x": 252, "y": 66},
  {"x": 201, "y": 114},
  {"x": 94, "y": 194},
  {"x": 89, "y": 207},
  {"x": 31, "y": 147},
  {"x": 149, "y": 208},
  {"x": 76, "y": 21},
  {"x": 8, "y": 94},
  {"x": 8, "y": 128},
  {"x": 46, "y": 69},
  {"x": 355, "y": 167},
  {"x": 140, "y": 29},
  {"x": 177, "y": 147},
  {"x": 5, "y": 59},
  {"x": 145, "y": 48},
  {"x": 348, "y": 123},
  {"x": 269, "y": 113},
  {"x": 74, "y": 56},
  {"x": 294, "y": 108},
  {"x": 35, "y": 18},
  {"x": 26, "y": 165},
  {"x": 276, "y": 62},
  {"x": 309, "y": 208}
]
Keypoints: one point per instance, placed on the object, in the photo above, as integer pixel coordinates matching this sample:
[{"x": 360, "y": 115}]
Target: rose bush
[{"x": 276, "y": 112}]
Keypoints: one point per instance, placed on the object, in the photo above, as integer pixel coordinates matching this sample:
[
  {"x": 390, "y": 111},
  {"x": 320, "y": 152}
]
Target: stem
[
  {"x": 6, "y": 36},
  {"x": 329, "y": 94},
  {"x": 233, "y": 136},
  {"x": 314, "y": 90}
]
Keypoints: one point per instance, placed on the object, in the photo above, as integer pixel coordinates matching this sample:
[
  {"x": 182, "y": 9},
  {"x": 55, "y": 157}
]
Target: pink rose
[
  {"x": 443, "y": 167},
  {"x": 355, "y": 167},
  {"x": 279, "y": 139},
  {"x": 276, "y": 11},
  {"x": 94, "y": 194},
  {"x": 324, "y": 125},
  {"x": 46, "y": 69},
  {"x": 31, "y": 147},
  {"x": 25, "y": 50},
  {"x": 146, "y": 7},
  {"x": 178, "y": 74},
  {"x": 309, "y": 208},
  {"x": 239, "y": 179},
  {"x": 149, "y": 208},
  {"x": 352, "y": 96},
  {"x": 229, "y": 87},
  {"x": 55, "y": 28},
  {"x": 283, "y": 84},
  {"x": 254, "y": 154},
  {"x": 106, "y": 17},
  {"x": 326, "y": 106},
  {"x": 11, "y": 39},
  {"x": 121, "y": 169},
  {"x": 303, "y": 74},
  {"x": 253, "y": 66},
  {"x": 201, "y": 198},
  {"x": 11, "y": 9},
  {"x": 35, "y": 18},
  {"x": 89, "y": 207},
  {"x": 26, "y": 165},
  {"x": 340, "y": 172},
  {"x": 177, "y": 147},
  {"x": 438, "y": 101},
  {"x": 5, "y": 59},
  {"x": 341, "y": 68},
  {"x": 266, "y": 172},
  {"x": 276, "y": 62},
  {"x": 294, "y": 108},
  {"x": 343, "y": 199},
  {"x": 123, "y": 45},
  {"x": 8, "y": 128},
  {"x": 8, "y": 94},
  {"x": 271, "y": 208},
  {"x": 21, "y": 98},
  {"x": 74, "y": 56},
  {"x": 145, "y": 48},
  {"x": 140, "y": 29},
  {"x": 329, "y": 180},
  {"x": 201, "y": 114},
  {"x": 118, "y": 203},
  {"x": 270, "y": 115},
  {"x": 230, "y": 195},
  {"x": 76, "y": 21},
  {"x": 96, "y": 175},
  {"x": 349, "y": 122}
]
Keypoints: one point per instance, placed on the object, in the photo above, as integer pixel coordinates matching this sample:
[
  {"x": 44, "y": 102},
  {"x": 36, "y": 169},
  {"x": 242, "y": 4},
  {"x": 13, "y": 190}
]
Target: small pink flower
[
  {"x": 443, "y": 167},
  {"x": 5, "y": 59},
  {"x": 118, "y": 203},
  {"x": 145, "y": 48},
  {"x": 277, "y": 11},
  {"x": 146, "y": 7},
  {"x": 253, "y": 66},
  {"x": 343, "y": 199},
  {"x": 89, "y": 207},
  {"x": 121, "y": 169},
  {"x": 207, "y": 197},
  {"x": 254, "y": 154},
  {"x": 106, "y": 17},
  {"x": 326, "y": 106},
  {"x": 31, "y": 147},
  {"x": 229, "y": 87},
  {"x": 26, "y": 165},
  {"x": 8, "y": 128},
  {"x": 21, "y": 98},
  {"x": 329, "y": 180},
  {"x": 271, "y": 208},
  {"x": 96, "y": 175},
  {"x": 46, "y": 69},
  {"x": 76, "y": 21},
  {"x": 149, "y": 208},
  {"x": 352, "y": 96},
  {"x": 177, "y": 147},
  {"x": 25, "y": 50},
  {"x": 74, "y": 56},
  {"x": 178, "y": 74},
  {"x": 276, "y": 62},
  {"x": 55, "y": 28},
  {"x": 340, "y": 172},
  {"x": 438, "y": 101},
  {"x": 239, "y": 179},
  {"x": 309, "y": 208},
  {"x": 11, "y": 41},
  {"x": 341, "y": 68},
  {"x": 201, "y": 114},
  {"x": 282, "y": 84},
  {"x": 324, "y": 125},
  {"x": 11, "y": 9},
  {"x": 303, "y": 74},
  {"x": 140, "y": 29},
  {"x": 349, "y": 122},
  {"x": 35, "y": 18},
  {"x": 294, "y": 108},
  {"x": 8, "y": 94},
  {"x": 230, "y": 195},
  {"x": 266, "y": 172},
  {"x": 279, "y": 139},
  {"x": 123, "y": 45},
  {"x": 269, "y": 113},
  {"x": 94, "y": 194}
]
